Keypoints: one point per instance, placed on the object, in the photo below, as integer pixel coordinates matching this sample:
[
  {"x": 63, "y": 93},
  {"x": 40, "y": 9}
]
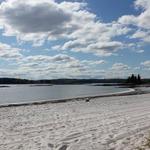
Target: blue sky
[{"x": 45, "y": 39}]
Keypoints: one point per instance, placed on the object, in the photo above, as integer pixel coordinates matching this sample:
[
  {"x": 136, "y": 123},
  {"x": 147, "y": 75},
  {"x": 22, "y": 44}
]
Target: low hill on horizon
[
  {"x": 58, "y": 81},
  {"x": 62, "y": 81}
]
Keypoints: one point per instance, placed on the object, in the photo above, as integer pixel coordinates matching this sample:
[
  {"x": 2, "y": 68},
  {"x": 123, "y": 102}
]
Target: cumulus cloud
[
  {"x": 60, "y": 65},
  {"x": 33, "y": 16},
  {"x": 41, "y": 20},
  {"x": 146, "y": 64},
  {"x": 118, "y": 70},
  {"x": 142, "y": 3},
  {"x": 8, "y": 52},
  {"x": 96, "y": 62},
  {"x": 120, "y": 67},
  {"x": 140, "y": 51},
  {"x": 140, "y": 21},
  {"x": 143, "y": 35},
  {"x": 45, "y": 58},
  {"x": 74, "y": 28},
  {"x": 60, "y": 61}
]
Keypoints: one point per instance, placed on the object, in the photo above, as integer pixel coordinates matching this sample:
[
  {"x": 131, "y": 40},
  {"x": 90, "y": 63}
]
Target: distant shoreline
[
  {"x": 131, "y": 91},
  {"x": 66, "y": 81}
]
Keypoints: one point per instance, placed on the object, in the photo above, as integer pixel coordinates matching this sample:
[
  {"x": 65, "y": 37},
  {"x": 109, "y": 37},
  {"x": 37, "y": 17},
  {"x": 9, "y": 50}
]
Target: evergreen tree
[
  {"x": 134, "y": 79},
  {"x": 139, "y": 79}
]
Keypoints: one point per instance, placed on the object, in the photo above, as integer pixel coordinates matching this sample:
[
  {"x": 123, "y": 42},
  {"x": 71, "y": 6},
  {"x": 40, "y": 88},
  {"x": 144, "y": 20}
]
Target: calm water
[
  {"x": 28, "y": 93},
  {"x": 146, "y": 89}
]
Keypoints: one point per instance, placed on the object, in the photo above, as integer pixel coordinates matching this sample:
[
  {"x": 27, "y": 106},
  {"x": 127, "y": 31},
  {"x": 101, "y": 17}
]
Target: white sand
[{"x": 114, "y": 123}]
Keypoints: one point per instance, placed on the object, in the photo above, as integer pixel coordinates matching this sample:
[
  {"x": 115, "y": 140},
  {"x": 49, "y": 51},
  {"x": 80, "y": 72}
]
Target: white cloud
[
  {"x": 8, "y": 52},
  {"x": 32, "y": 16},
  {"x": 118, "y": 70},
  {"x": 43, "y": 66},
  {"x": 143, "y": 35},
  {"x": 146, "y": 64},
  {"x": 41, "y": 20},
  {"x": 96, "y": 62},
  {"x": 45, "y": 58},
  {"x": 141, "y": 21},
  {"x": 128, "y": 19},
  {"x": 140, "y": 51},
  {"x": 60, "y": 61},
  {"x": 120, "y": 67},
  {"x": 76, "y": 29},
  {"x": 145, "y": 4}
]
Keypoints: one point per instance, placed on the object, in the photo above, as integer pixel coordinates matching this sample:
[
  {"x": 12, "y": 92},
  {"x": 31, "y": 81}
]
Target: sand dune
[{"x": 111, "y": 123}]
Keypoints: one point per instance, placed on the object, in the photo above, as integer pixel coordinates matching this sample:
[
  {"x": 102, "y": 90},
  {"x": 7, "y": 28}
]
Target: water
[
  {"x": 145, "y": 89},
  {"x": 28, "y": 93}
]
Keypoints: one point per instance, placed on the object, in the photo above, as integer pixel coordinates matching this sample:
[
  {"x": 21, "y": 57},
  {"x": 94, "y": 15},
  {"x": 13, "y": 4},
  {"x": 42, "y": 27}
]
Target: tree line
[{"x": 133, "y": 79}]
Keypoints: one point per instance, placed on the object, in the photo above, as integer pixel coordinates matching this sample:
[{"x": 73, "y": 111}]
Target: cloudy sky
[{"x": 45, "y": 39}]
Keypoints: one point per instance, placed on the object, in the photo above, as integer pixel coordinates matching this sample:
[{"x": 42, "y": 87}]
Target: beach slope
[{"x": 109, "y": 123}]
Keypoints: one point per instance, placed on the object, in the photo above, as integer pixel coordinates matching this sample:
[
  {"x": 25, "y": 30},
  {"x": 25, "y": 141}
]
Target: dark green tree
[
  {"x": 133, "y": 79},
  {"x": 139, "y": 79}
]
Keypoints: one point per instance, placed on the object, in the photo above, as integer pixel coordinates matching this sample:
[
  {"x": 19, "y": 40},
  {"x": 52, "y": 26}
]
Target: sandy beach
[{"x": 109, "y": 123}]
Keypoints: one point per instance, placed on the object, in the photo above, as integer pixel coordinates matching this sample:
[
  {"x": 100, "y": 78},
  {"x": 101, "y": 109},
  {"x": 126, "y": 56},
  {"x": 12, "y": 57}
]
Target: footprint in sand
[
  {"x": 50, "y": 145},
  {"x": 64, "y": 147}
]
